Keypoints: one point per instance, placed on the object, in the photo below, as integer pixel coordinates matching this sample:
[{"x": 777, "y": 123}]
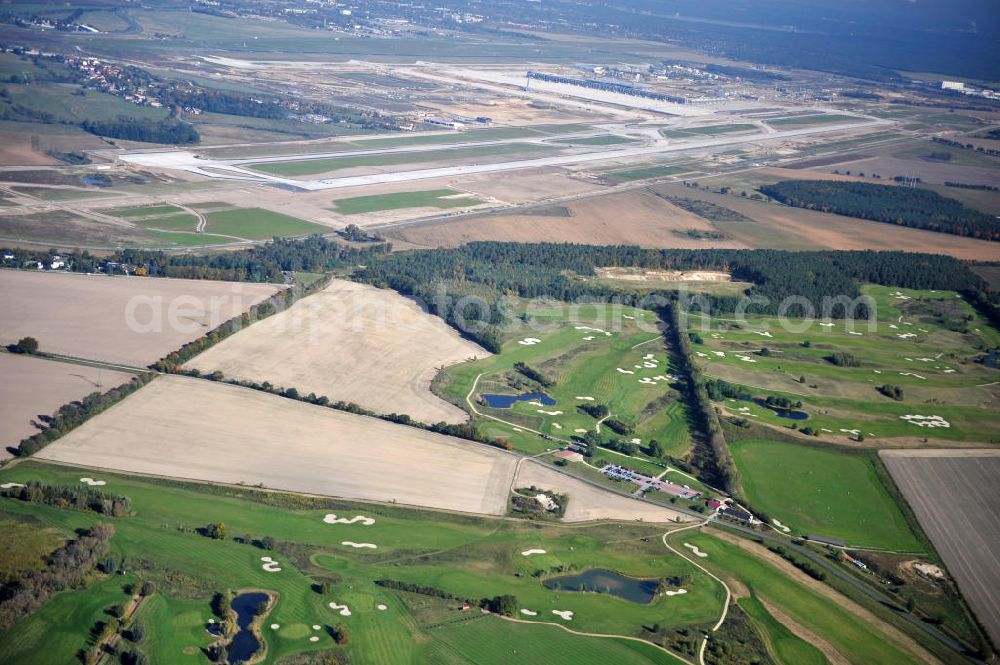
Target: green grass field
[
  {"x": 431, "y": 198},
  {"x": 467, "y": 556},
  {"x": 822, "y": 492},
  {"x": 168, "y": 238},
  {"x": 712, "y": 130},
  {"x": 648, "y": 172},
  {"x": 314, "y": 166},
  {"x": 925, "y": 342},
  {"x": 258, "y": 224},
  {"x": 182, "y": 222},
  {"x": 805, "y": 120},
  {"x": 144, "y": 211},
  {"x": 589, "y": 353},
  {"x": 784, "y": 645},
  {"x": 852, "y": 636}
]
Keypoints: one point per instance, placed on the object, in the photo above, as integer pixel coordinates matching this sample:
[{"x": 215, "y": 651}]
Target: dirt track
[
  {"x": 354, "y": 343},
  {"x": 88, "y": 316},
  {"x": 190, "y": 428},
  {"x": 35, "y": 386}
]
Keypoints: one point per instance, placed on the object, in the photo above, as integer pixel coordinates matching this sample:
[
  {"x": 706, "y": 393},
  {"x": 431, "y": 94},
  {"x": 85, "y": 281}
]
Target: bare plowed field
[
  {"x": 128, "y": 320},
  {"x": 33, "y": 386},
  {"x": 353, "y": 343},
  {"x": 954, "y": 494},
  {"x": 635, "y": 217},
  {"x": 587, "y": 502},
  {"x": 194, "y": 429}
]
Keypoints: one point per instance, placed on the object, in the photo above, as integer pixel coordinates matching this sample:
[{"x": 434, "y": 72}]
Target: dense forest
[
  {"x": 170, "y": 130},
  {"x": 906, "y": 206}
]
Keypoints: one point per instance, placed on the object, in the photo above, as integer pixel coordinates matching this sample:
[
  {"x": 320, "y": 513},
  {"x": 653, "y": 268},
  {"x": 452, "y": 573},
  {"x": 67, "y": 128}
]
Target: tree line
[
  {"x": 263, "y": 263},
  {"x": 169, "y": 130},
  {"x": 74, "y": 414},
  {"x": 906, "y": 206},
  {"x": 77, "y": 498}
]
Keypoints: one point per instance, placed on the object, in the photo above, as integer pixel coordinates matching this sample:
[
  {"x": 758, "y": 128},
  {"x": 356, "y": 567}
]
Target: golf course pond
[
  {"x": 506, "y": 401},
  {"x": 245, "y": 644},
  {"x": 600, "y": 580}
]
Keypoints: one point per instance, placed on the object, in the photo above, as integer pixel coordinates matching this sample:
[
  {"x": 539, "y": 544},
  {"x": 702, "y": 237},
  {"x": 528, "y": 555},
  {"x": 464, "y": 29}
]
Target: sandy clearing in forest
[
  {"x": 34, "y": 386},
  {"x": 588, "y": 502},
  {"x": 128, "y": 320},
  {"x": 637, "y": 217},
  {"x": 350, "y": 342},
  {"x": 195, "y": 429}
]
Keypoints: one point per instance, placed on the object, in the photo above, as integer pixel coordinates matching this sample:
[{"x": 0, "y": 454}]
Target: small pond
[
  {"x": 600, "y": 580},
  {"x": 507, "y": 401},
  {"x": 245, "y": 644},
  {"x": 98, "y": 180}
]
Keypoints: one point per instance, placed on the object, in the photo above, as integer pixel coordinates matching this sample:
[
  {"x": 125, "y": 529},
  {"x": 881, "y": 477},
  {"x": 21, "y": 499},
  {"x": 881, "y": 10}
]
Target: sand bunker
[
  {"x": 550, "y": 413},
  {"x": 926, "y": 421},
  {"x": 529, "y": 613},
  {"x": 905, "y": 335},
  {"x": 275, "y": 626},
  {"x": 532, "y": 551},
  {"x": 316, "y": 626},
  {"x": 625, "y": 371},
  {"x": 343, "y": 609},
  {"x": 7, "y": 486},
  {"x": 529, "y": 341},
  {"x": 557, "y": 425},
  {"x": 381, "y": 608},
  {"x": 580, "y": 430},
  {"x": 851, "y": 332},
  {"x": 270, "y": 565},
  {"x": 588, "y": 338},
  {"x": 330, "y": 518},
  {"x": 762, "y": 333},
  {"x": 585, "y": 398},
  {"x": 92, "y": 482},
  {"x": 679, "y": 592},
  {"x": 827, "y": 325},
  {"x": 589, "y": 329},
  {"x": 566, "y": 615},
  {"x": 781, "y": 526},
  {"x": 350, "y": 543},
  {"x": 314, "y": 639},
  {"x": 694, "y": 550}
]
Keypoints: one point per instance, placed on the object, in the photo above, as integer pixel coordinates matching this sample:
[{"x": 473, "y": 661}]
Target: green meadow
[
  {"x": 606, "y": 356},
  {"x": 462, "y": 555},
  {"x": 822, "y": 492},
  {"x": 258, "y": 224},
  {"x": 430, "y": 198},
  {"x": 929, "y": 344}
]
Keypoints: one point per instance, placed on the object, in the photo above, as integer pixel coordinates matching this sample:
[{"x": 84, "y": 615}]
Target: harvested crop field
[
  {"x": 353, "y": 343},
  {"x": 776, "y": 226},
  {"x": 194, "y": 429},
  {"x": 953, "y": 493},
  {"x": 588, "y": 502},
  {"x": 34, "y": 386},
  {"x": 637, "y": 217},
  {"x": 128, "y": 320}
]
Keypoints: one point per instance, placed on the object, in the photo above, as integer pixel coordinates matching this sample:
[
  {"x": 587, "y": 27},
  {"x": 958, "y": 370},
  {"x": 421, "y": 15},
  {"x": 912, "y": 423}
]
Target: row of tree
[
  {"x": 907, "y": 206},
  {"x": 76, "y": 498},
  {"x": 169, "y": 130},
  {"x": 76, "y": 413}
]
